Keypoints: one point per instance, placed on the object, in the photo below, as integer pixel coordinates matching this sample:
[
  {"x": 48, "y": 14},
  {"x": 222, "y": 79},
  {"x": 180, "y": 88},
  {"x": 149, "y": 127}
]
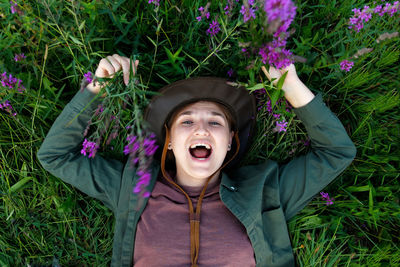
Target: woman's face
[{"x": 200, "y": 138}]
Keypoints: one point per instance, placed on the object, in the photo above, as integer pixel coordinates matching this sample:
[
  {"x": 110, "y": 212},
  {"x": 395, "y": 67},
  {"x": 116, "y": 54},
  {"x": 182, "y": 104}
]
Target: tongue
[{"x": 199, "y": 152}]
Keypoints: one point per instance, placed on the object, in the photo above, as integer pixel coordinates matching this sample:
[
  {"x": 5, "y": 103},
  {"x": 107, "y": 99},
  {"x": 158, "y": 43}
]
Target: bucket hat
[{"x": 236, "y": 99}]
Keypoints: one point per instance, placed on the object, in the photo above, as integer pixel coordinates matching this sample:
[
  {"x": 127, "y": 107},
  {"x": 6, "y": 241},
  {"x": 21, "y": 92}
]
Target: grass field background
[{"x": 45, "y": 222}]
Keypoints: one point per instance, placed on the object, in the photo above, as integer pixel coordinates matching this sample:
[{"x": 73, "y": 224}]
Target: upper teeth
[{"x": 196, "y": 145}]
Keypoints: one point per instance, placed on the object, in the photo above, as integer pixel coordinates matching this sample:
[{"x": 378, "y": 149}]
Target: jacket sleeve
[
  {"x": 331, "y": 152},
  {"x": 60, "y": 153}
]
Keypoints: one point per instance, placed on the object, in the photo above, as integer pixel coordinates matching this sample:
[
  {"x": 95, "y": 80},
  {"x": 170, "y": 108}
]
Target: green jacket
[{"x": 263, "y": 197}]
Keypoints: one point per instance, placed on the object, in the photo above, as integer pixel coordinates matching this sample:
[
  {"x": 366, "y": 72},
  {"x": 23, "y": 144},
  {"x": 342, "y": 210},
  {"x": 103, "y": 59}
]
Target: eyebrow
[{"x": 212, "y": 113}]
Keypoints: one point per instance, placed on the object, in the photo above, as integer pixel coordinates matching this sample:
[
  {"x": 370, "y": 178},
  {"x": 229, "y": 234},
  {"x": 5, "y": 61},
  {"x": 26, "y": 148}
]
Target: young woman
[{"x": 203, "y": 210}]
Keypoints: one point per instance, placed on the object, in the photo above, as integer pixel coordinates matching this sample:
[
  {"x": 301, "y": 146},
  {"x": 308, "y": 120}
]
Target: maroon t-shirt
[{"x": 163, "y": 231}]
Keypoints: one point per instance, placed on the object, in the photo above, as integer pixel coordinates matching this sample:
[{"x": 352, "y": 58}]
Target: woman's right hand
[{"x": 108, "y": 67}]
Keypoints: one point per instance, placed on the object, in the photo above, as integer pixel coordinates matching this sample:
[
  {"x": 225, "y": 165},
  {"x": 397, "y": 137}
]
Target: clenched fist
[{"x": 108, "y": 67}]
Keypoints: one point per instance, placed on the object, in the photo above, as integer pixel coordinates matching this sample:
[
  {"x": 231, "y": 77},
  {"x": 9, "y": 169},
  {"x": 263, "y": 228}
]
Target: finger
[
  {"x": 115, "y": 64},
  {"x": 104, "y": 69},
  {"x": 134, "y": 68},
  {"x": 266, "y": 72},
  {"x": 124, "y": 62}
]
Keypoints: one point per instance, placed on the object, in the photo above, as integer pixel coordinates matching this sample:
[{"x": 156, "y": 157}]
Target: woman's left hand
[{"x": 296, "y": 92}]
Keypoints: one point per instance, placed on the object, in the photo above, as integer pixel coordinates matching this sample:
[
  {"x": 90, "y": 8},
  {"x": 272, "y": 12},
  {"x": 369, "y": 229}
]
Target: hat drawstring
[{"x": 194, "y": 218}]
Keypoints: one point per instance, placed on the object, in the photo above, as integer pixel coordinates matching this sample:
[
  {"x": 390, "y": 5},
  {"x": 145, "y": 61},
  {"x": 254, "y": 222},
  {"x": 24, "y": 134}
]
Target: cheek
[{"x": 177, "y": 137}]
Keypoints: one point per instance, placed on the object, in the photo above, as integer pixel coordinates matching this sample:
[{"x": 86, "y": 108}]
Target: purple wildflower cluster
[
  {"x": 89, "y": 148},
  {"x": 141, "y": 151},
  {"x": 148, "y": 145},
  {"x": 19, "y": 57},
  {"x": 360, "y": 16},
  {"x": 357, "y": 21},
  {"x": 325, "y": 196},
  {"x": 248, "y": 10},
  {"x": 229, "y": 6},
  {"x": 275, "y": 54},
  {"x": 280, "y": 122},
  {"x": 280, "y": 13},
  {"x": 14, "y": 7},
  {"x": 7, "y": 107},
  {"x": 346, "y": 65},
  {"x": 281, "y": 126},
  {"x": 143, "y": 182},
  {"x": 204, "y": 12},
  {"x": 154, "y": 2},
  {"x": 88, "y": 76},
  {"x": 10, "y": 82},
  {"x": 214, "y": 28}
]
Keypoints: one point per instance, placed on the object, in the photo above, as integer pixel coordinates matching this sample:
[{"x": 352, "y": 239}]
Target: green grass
[{"x": 46, "y": 222}]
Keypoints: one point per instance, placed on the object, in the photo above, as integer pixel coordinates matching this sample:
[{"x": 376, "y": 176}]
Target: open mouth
[{"x": 200, "y": 151}]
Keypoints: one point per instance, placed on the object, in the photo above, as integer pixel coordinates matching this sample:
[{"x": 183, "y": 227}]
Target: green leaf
[
  {"x": 154, "y": 43},
  {"x": 18, "y": 185},
  {"x": 281, "y": 81},
  {"x": 76, "y": 41},
  {"x": 82, "y": 25},
  {"x": 274, "y": 97},
  {"x": 258, "y": 86},
  {"x": 363, "y": 188},
  {"x": 169, "y": 54}
]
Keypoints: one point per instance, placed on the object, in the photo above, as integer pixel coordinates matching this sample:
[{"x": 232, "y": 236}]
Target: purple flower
[
  {"x": 282, "y": 11},
  {"x": 279, "y": 9},
  {"x": 379, "y": 10},
  {"x": 230, "y": 72},
  {"x": 275, "y": 54},
  {"x": 7, "y": 107},
  {"x": 214, "y": 28},
  {"x": 19, "y": 57},
  {"x": 88, "y": 76},
  {"x": 89, "y": 147},
  {"x": 10, "y": 82},
  {"x": 247, "y": 13},
  {"x": 346, "y": 65},
  {"x": 325, "y": 196},
  {"x": 357, "y": 21},
  {"x": 226, "y": 9},
  {"x": 142, "y": 183},
  {"x": 133, "y": 145},
  {"x": 269, "y": 106},
  {"x": 230, "y": 5},
  {"x": 387, "y": 8},
  {"x": 204, "y": 12},
  {"x": 394, "y": 8},
  {"x": 281, "y": 126},
  {"x": 155, "y": 2},
  {"x": 276, "y": 116},
  {"x": 150, "y": 146},
  {"x": 14, "y": 7}
]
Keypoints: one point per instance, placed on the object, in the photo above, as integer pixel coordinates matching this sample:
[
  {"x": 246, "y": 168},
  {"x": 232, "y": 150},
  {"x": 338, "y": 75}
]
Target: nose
[{"x": 202, "y": 129}]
